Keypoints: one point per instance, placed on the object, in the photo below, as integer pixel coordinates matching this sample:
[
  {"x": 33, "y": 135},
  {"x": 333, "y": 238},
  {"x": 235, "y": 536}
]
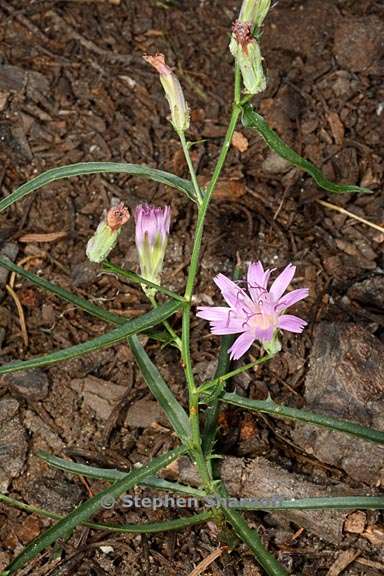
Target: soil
[{"x": 73, "y": 88}]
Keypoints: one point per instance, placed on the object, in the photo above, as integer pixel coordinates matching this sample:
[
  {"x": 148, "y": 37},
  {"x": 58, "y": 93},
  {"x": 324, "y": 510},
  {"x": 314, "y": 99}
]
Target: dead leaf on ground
[{"x": 48, "y": 237}]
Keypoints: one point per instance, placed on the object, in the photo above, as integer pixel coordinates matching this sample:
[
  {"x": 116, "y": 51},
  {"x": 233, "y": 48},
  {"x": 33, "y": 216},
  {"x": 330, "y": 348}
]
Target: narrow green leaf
[
  {"x": 111, "y": 475},
  {"x": 316, "y": 503},
  {"x": 90, "y": 507},
  {"x": 251, "y": 538},
  {"x": 155, "y": 382},
  {"x": 252, "y": 119},
  {"x": 95, "y": 168},
  {"x": 142, "y": 528},
  {"x": 129, "y": 328},
  {"x": 85, "y": 305},
  {"x": 270, "y": 407},
  {"x": 109, "y": 267}
]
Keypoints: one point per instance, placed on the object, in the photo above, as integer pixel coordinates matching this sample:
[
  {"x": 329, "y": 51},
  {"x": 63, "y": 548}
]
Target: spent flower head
[
  {"x": 107, "y": 233},
  {"x": 254, "y": 11},
  {"x": 173, "y": 92},
  {"x": 246, "y": 51},
  {"x": 152, "y": 231},
  {"x": 255, "y": 314}
]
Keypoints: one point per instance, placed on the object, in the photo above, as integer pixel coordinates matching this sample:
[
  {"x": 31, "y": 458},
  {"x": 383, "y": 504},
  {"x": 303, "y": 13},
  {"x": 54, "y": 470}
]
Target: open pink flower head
[{"x": 258, "y": 313}]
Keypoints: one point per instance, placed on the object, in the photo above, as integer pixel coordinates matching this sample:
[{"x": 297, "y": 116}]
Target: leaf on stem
[
  {"x": 111, "y": 475},
  {"x": 96, "y": 168},
  {"x": 155, "y": 382},
  {"x": 90, "y": 507},
  {"x": 252, "y": 119},
  {"x": 270, "y": 407},
  {"x": 129, "y": 328}
]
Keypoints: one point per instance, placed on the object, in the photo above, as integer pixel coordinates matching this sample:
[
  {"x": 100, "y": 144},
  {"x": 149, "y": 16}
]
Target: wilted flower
[
  {"x": 107, "y": 233},
  {"x": 173, "y": 92},
  {"x": 152, "y": 230},
  {"x": 254, "y": 11},
  {"x": 246, "y": 51},
  {"x": 257, "y": 314}
]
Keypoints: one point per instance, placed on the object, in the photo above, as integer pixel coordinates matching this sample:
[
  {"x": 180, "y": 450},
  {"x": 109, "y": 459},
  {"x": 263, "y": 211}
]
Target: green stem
[
  {"x": 191, "y": 167},
  {"x": 166, "y": 324},
  {"x": 236, "y": 372},
  {"x": 196, "y": 447}
]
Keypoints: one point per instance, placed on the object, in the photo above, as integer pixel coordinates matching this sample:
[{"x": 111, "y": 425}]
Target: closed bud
[
  {"x": 107, "y": 233},
  {"x": 254, "y": 11},
  {"x": 173, "y": 92},
  {"x": 246, "y": 51},
  {"x": 152, "y": 231}
]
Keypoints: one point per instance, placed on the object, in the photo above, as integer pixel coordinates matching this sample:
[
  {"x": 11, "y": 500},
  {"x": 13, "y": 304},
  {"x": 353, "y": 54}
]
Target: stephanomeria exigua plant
[{"x": 255, "y": 310}]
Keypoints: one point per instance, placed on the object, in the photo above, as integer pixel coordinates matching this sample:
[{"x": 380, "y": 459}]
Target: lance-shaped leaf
[
  {"x": 129, "y": 328},
  {"x": 143, "y": 528},
  {"x": 155, "y": 382},
  {"x": 97, "y": 168},
  {"x": 111, "y": 475},
  {"x": 90, "y": 507},
  {"x": 85, "y": 305},
  {"x": 252, "y": 119},
  {"x": 251, "y": 537},
  {"x": 316, "y": 503},
  {"x": 270, "y": 407}
]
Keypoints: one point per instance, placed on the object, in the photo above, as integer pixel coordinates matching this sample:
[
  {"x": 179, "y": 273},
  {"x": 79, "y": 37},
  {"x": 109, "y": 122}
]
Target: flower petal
[
  {"x": 223, "y": 320},
  {"x": 282, "y": 282},
  {"x": 291, "y": 298},
  {"x": 264, "y": 335},
  {"x": 241, "y": 345},
  {"x": 257, "y": 279},
  {"x": 292, "y": 323},
  {"x": 221, "y": 330},
  {"x": 232, "y": 293},
  {"x": 213, "y": 313}
]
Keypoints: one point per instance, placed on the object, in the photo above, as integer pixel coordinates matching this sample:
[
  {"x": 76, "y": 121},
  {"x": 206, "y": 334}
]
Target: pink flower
[
  {"x": 258, "y": 313},
  {"x": 151, "y": 233}
]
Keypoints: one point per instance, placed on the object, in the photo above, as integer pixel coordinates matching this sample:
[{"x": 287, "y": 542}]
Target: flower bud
[
  {"x": 107, "y": 233},
  {"x": 246, "y": 51},
  {"x": 254, "y": 11},
  {"x": 173, "y": 92},
  {"x": 152, "y": 231}
]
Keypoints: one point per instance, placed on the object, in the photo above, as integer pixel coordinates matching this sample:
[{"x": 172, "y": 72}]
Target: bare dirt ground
[{"x": 74, "y": 87}]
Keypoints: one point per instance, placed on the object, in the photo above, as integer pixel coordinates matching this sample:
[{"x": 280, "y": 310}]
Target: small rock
[
  {"x": 28, "y": 384},
  {"x": 98, "y": 394},
  {"x": 369, "y": 292},
  {"x": 143, "y": 414},
  {"x": 275, "y": 164},
  {"x": 13, "y": 442},
  {"x": 84, "y": 274},
  {"x": 359, "y": 44},
  {"x": 240, "y": 142},
  {"x": 228, "y": 189},
  {"x": 56, "y": 494}
]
